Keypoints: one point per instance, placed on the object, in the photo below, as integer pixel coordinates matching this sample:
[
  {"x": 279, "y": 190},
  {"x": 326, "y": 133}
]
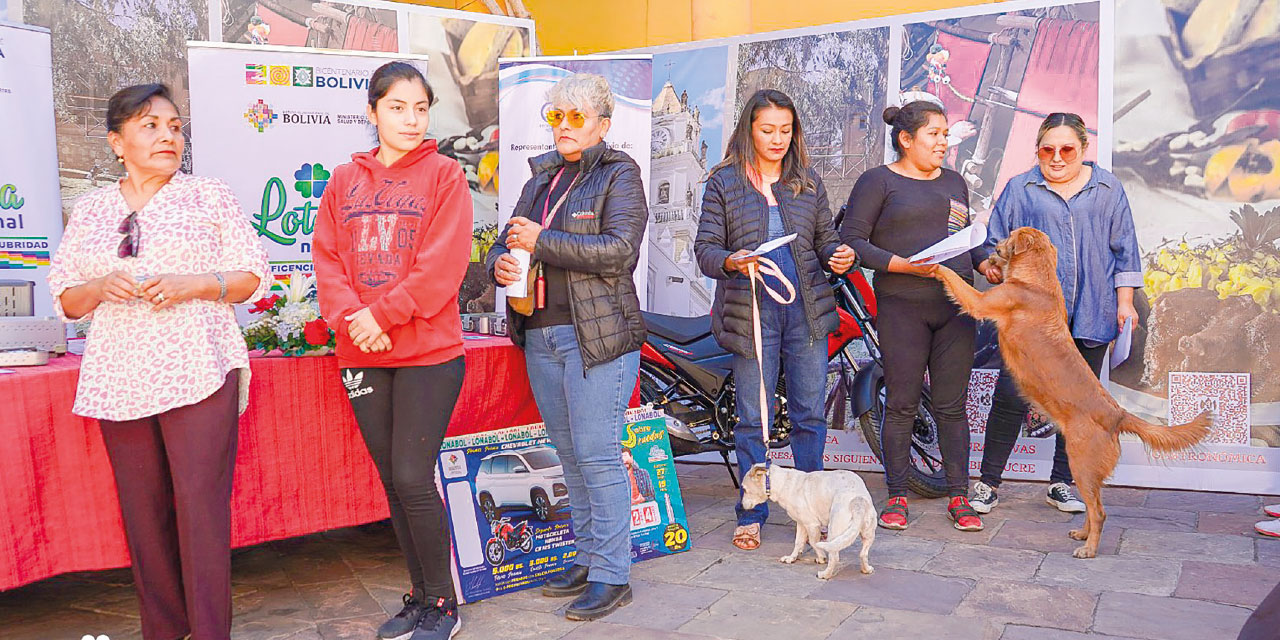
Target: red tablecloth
[{"x": 301, "y": 466}]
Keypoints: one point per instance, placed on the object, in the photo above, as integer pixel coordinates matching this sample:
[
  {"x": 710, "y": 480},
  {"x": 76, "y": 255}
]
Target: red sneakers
[
  {"x": 894, "y": 515},
  {"x": 965, "y": 517}
]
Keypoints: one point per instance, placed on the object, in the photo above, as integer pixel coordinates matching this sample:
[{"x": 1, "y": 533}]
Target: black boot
[
  {"x": 569, "y": 582},
  {"x": 598, "y": 601}
]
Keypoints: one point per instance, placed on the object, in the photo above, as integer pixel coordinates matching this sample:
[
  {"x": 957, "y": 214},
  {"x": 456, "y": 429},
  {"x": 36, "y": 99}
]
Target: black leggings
[
  {"x": 1009, "y": 411},
  {"x": 403, "y": 413},
  {"x": 925, "y": 330}
]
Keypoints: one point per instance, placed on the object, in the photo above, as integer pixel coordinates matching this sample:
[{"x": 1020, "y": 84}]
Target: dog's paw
[
  {"x": 787, "y": 559},
  {"x": 868, "y": 569},
  {"x": 1079, "y": 534},
  {"x": 820, "y": 559},
  {"x": 1085, "y": 552},
  {"x": 826, "y": 575}
]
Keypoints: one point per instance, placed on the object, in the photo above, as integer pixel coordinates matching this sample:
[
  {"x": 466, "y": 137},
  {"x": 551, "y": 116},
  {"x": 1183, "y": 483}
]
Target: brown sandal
[{"x": 747, "y": 537}]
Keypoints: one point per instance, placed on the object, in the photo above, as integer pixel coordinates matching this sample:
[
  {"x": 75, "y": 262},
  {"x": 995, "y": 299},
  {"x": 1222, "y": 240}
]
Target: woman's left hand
[
  {"x": 842, "y": 259},
  {"x": 364, "y": 329},
  {"x": 523, "y": 234},
  {"x": 166, "y": 290},
  {"x": 1124, "y": 311}
]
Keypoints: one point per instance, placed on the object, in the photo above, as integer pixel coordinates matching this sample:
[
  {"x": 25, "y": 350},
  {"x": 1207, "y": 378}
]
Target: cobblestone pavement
[{"x": 1173, "y": 565}]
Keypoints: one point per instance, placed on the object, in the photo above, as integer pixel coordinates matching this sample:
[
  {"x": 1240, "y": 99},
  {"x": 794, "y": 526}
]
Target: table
[{"x": 301, "y": 466}]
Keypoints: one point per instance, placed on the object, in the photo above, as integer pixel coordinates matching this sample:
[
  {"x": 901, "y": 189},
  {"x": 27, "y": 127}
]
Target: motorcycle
[
  {"x": 507, "y": 537},
  {"x": 685, "y": 373}
]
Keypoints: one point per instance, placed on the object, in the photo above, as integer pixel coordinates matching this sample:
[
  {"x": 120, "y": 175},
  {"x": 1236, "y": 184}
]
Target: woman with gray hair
[{"x": 581, "y": 218}]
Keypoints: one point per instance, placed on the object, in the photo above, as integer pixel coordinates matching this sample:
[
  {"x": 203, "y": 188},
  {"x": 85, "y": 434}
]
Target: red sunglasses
[{"x": 1067, "y": 152}]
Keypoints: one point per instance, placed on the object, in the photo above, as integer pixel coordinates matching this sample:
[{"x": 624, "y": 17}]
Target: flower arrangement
[{"x": 291, "y": 323}]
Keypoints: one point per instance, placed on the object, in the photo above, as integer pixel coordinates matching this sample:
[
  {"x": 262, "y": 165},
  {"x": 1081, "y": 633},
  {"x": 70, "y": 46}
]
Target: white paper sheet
[
  {"x": 954, "y": 245},
  {"x": 1120, "y": 350},
  {"x": 770, "y": 246}
]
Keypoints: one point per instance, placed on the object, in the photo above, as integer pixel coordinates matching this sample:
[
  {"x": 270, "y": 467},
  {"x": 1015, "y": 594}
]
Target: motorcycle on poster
[{"x": 509, "y": 512}]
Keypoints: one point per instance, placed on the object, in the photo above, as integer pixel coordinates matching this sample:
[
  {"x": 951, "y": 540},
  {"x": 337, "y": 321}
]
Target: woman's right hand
[
  {"x": 506, "y": 270},
  {"x": 898, "y": 264},
  {"x": 117, "y": 286},
  {"x": 993, "y": 273},
  {"x": 740, "y": 263}
]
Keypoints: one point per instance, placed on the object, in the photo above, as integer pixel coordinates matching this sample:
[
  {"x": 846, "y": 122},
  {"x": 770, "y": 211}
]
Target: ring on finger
[{"x": 160, "y": 296}]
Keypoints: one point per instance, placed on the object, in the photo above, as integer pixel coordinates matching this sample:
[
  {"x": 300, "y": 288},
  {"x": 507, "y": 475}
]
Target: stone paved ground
[{"x": 1174, "y": 565}]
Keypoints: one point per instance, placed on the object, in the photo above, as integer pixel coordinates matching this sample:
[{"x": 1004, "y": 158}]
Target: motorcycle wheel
[
  {"x": 526, "y": 545},
  {"x": 927, "y": 477},
  {"x": 493, "y": 552}
]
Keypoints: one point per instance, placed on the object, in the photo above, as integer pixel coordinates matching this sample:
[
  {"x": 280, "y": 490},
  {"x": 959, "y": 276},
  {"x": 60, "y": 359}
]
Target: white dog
[{"x": 837, "y": 500}]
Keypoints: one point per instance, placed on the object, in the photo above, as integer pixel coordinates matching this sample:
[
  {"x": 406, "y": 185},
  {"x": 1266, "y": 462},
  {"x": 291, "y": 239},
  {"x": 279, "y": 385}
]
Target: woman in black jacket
[
  {"x": 763, "y": 190},
  {"x": 582, "y": 217}
]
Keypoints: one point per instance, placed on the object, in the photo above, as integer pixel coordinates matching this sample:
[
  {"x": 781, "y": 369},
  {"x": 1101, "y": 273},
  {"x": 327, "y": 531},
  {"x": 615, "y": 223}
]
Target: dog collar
[{"x": 768, "y": 485}]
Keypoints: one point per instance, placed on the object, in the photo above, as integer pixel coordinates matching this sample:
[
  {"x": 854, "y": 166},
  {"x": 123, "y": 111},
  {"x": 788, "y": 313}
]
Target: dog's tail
[
  {"x": 1170, "y": 438},
  {"x": 842, "y": 539}
]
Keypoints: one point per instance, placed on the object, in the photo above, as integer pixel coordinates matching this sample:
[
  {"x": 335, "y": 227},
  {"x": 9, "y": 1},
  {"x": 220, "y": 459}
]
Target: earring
[{"x": 120, "y": 159}]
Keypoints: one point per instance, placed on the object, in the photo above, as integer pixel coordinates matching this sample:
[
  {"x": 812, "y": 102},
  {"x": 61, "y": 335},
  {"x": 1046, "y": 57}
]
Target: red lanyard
[
  {"x": 548, "y": 215},
  {"x": 549, "y": 212}
]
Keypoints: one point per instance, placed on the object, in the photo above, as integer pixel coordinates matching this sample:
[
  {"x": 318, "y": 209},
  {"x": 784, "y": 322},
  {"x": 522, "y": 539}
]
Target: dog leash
[{"x": 757, "y": 271}]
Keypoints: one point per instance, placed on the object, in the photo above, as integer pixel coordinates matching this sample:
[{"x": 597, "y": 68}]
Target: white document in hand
[
  {"x": 955, "y": 244},
  {"x": 770, "y": 246},
  {"x": 1124, "y": 342}
]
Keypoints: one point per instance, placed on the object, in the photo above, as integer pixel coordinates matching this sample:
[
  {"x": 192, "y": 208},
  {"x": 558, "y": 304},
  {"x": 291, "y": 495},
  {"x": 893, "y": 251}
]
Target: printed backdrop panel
[
  {"x": 30, "y": 211},
  {"x": 273, "y": 123}
]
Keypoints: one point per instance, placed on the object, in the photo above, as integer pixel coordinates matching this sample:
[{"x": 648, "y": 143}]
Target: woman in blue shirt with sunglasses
[{"x": 1084, "y": 210}]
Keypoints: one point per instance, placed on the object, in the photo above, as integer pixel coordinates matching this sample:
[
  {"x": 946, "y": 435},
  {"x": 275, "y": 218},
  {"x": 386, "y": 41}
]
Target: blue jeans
[
  {"x": 784, "y": 335},
  {"x": 583, "y": 411}
]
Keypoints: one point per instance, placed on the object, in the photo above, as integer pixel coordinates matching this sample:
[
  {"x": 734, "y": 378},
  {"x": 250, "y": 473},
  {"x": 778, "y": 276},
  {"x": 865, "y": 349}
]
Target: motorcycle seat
[{"x": 676, "y": 329}]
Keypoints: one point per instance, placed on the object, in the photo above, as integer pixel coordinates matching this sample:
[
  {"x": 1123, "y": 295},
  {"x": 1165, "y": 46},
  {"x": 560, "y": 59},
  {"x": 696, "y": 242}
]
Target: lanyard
[
  {"x": 548, "y": 215},
  {"x": 549, "y": 212}
]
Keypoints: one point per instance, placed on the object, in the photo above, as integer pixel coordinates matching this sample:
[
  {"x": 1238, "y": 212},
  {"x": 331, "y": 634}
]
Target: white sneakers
[{"x": 1270, "y": 527}]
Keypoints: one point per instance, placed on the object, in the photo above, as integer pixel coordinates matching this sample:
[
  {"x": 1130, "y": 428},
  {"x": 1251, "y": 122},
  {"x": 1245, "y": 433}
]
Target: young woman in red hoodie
[{"x": 391, "y": 247}]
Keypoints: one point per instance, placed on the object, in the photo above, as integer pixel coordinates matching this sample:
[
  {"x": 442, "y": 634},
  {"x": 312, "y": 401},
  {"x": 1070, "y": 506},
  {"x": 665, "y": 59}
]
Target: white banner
[
  {"x": 522, "y": 91},
  {"x": 273, "y": 122},
  {"x": 30, "y": 205}
]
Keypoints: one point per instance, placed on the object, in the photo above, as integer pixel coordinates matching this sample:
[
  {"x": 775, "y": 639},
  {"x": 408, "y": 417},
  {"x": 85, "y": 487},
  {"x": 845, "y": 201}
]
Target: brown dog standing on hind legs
[{"x": 1037, "y": 348}]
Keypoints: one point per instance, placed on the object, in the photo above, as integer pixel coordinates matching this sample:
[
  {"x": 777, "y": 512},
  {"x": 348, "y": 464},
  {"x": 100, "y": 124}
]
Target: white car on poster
[{"x": 530, "y": 477}]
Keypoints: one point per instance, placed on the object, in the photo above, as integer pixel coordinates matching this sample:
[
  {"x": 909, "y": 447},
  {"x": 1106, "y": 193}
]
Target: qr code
[
  {"x": 1224, "y": 395},
  {"x": 977, "y": 406}
]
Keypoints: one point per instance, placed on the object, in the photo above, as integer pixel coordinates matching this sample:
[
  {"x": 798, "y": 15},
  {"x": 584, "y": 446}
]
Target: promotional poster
[
  {"x": 30, "y": 213},
  {"x": 509, "y": 504}
]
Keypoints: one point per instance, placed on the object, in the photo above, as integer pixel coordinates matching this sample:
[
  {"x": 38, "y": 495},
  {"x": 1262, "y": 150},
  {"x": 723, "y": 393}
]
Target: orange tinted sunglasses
[
  {"x": 576, "y": 118},
  {"x": 1067, "y": 152}
]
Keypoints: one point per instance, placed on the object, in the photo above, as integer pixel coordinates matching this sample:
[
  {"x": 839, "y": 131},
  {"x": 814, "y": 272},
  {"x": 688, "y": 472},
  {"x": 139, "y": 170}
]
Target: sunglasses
[
  {"x": 1067, "y": 152},
  {"x": 576, "y": 118},
  {"x": 129, "y": 243}
]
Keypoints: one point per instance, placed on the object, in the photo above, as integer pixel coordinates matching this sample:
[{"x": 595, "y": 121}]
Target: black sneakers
[
  {"x": 984, "y": 497},
  {"x": 440, "y": 622},
  {"x": 1061, "y": 496},
  {"x": 402, "y": 624}
]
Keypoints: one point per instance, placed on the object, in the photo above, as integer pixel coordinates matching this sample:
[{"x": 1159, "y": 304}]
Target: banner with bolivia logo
[
  {"x": 30, "y": 205},
  {"x": 273, "y": 122}
]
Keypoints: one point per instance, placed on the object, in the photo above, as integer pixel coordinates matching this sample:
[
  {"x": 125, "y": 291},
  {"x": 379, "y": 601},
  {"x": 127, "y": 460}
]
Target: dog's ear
[
  {"x": 757, "y": 471},
  {"x": 1022, "y": 241}
]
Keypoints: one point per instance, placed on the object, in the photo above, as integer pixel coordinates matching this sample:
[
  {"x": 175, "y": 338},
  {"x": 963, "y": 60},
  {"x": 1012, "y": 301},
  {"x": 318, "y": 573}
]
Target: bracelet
[{"x": 222, "y": 286}]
